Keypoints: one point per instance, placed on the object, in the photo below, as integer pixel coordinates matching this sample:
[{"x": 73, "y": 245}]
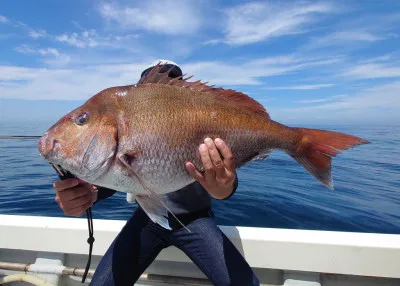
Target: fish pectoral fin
[
  {"x": 129, "y": 157},
  {"x": 154, "y": 210}
]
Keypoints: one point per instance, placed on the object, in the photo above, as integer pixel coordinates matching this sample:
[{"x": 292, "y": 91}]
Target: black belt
[{"x": 188, "y": 217}]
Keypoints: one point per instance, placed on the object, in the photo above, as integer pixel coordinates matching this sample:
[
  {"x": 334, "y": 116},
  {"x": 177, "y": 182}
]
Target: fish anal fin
[{"x": 157, "y": 75}]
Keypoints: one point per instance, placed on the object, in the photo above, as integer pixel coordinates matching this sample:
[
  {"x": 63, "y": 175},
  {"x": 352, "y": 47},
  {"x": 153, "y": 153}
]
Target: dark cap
[{"x": 173, "y": 73}]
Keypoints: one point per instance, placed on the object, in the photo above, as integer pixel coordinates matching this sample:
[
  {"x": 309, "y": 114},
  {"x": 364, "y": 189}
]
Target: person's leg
[
  {"x": 132, "y": 251},
  {"x": 214, "y": 253}
]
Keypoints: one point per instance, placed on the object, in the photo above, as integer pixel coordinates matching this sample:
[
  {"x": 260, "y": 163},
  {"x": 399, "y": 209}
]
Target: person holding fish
[
  {"x": 164, "y": 141},
  {"x": 145, "y": 234}
]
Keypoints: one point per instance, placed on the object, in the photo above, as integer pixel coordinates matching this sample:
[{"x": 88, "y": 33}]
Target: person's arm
[{"x": 219, "y": 177}]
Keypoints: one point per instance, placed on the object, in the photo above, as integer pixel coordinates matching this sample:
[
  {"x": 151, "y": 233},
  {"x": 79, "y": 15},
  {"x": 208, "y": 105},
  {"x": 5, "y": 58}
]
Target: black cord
[
  {"x": 90, "y": 240},
  {"x": 64, "y": 174}
]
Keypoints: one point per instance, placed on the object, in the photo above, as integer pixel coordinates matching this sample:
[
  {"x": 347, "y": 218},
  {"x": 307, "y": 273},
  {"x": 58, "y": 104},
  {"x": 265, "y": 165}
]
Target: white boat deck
[{"x": 279, "y": 256}]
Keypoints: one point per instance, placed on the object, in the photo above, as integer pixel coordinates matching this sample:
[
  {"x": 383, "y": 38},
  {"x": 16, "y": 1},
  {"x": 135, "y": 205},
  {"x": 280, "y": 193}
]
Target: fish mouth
[{"x": 48, "y": 147}]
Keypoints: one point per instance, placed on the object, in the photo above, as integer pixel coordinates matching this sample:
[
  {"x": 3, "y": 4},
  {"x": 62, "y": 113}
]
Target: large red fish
[{"x": 137, "y": 138}]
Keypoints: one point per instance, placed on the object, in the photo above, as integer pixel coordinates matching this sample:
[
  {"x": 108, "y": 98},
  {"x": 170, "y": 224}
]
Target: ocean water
[{"x": 276, "y": 193}]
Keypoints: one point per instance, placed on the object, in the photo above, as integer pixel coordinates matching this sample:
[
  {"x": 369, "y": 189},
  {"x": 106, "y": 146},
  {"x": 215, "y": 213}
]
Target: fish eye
[{"x": 82, "y": 119}]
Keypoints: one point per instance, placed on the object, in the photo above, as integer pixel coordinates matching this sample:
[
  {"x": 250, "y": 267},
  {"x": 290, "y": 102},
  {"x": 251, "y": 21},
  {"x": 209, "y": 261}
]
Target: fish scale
[{"x": 140, "y": 137}]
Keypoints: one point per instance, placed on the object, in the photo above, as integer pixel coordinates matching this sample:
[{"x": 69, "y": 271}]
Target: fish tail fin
[{"x": 316, "y": 147}]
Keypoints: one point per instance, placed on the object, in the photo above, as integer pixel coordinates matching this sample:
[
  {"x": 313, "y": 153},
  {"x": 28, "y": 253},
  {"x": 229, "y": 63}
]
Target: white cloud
[
  {"x": 3, "y": 19},
  {"x": 85, "y": 81},
  {"x": 33, "y": 33},
  {"x": 90, "y": 39},
  {"x": 302, "y": 87},
  {"x": 376, "y": 104},
  {"x": 15, "y": 73},
  {"x": 258, "y": 21},
  {"x": 25, "y": 49},
  {"x": 165, "y": 17},
  {"x": 383, "y": 58},
  {"x": 380, "y": 96},
  {"x": 66, "y": 84},
  {"x": 331, "y": 98},
  {"x": 251, "y": 72},
  {"x": 372, "y": 70},
  {"x": 50, "y": 55},
  {"x": 343, "y": 38},
  {"x": 37, "y": 33},
  {"x": 87, "y": 38}
]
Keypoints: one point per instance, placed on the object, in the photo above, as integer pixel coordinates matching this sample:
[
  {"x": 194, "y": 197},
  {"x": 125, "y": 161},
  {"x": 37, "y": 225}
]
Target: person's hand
[
  {"x": 74, "y": 196},
  {"x": 219, "y": 173}
]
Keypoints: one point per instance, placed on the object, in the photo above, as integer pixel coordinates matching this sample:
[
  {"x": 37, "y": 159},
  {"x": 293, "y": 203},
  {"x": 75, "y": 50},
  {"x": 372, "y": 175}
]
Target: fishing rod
[
  {"x": 63, "y": 175},
  {"x": 20, "y": 136}
]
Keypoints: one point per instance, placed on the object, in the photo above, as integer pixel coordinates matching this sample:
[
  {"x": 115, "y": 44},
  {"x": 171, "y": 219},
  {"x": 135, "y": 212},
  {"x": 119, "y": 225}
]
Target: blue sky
[{"x": 306, "y": 62}]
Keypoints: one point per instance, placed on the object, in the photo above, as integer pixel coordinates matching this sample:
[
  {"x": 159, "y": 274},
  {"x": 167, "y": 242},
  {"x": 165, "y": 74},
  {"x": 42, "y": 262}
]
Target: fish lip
[{"x": 55, "y": 145}]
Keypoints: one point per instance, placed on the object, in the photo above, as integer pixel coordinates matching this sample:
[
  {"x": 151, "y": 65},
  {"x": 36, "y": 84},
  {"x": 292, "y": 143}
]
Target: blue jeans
[{"x": 141, "y": 240}]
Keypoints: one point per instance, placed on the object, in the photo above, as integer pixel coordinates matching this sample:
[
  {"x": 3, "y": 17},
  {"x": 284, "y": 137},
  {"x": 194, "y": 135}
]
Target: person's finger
[
  {"x": 226, "y": 153},
  {"x": 95, "y": 193},
  {"x": 209, "y": 172},
  {"x": 78, "y": 211},
  {"x": 215, "y": 158},
  {"x": 78, "y": 205},
  {"x": 77, "y": 202},
  {"x": 193, "y": 172},
  {"x": 73, "y": 193},
  {"x": 65, "y": 184}
]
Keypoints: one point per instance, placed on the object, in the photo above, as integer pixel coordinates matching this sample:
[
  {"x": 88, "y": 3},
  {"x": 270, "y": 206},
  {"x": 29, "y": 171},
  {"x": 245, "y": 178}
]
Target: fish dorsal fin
[{"x": 159, "y": 75}]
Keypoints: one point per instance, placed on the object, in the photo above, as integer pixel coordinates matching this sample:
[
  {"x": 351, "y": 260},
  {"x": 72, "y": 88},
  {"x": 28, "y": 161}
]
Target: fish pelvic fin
[
  {"x": 316, "y": 147},
  {"x": 154, "y": 210},
  {"x": 152, "y": 204}
]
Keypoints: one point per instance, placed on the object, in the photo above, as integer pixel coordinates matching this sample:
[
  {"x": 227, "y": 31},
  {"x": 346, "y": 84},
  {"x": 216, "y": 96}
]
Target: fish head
[{"x": 84, "y": 141}]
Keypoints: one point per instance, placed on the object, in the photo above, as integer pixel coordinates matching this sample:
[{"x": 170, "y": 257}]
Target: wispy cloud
[
  {"x": 85, "y": 81},
  {"x": 33, "y": 33},
  {"x": 301, "y": 87},
  {"x": 24, "y": 49},
  {"x": 50, "y": 55},
  {"x": 357, "y": 32},
  {"x": 342, "y": 38},
  {"x": 377, "y": 104},
  {"x": 37, "y": 33},
  {"x": 83, "y": 40},
  {"x": 165, "y": 17},
  {"x": 379, "y": 96},
  {"x": 258, "y": 21},
  {"x": 222, "y": 73},
  {"x": 65, "y": 84},
  {"x": 3, "y": 19},
  {"x": 372, "y": 70},
  {"x": 330, "y": 98},
  {"x": 384, "y": 95}
]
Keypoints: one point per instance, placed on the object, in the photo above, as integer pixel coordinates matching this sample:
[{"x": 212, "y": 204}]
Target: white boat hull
[{"x": 279, "y": 256}]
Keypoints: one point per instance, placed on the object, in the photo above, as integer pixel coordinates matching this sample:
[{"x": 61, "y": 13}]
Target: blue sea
[{"x": 275, "y": 193}]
